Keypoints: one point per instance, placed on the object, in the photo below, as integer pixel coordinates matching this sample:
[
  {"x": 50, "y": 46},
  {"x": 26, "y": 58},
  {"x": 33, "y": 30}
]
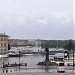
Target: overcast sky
[{"x": 33, "y": 19}]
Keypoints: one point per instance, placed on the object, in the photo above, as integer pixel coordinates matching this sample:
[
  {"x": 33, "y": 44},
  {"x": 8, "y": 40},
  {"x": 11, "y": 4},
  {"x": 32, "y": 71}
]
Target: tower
[
  {"x": 66, "y": 54},
  {"x": 47, "y": 54}
]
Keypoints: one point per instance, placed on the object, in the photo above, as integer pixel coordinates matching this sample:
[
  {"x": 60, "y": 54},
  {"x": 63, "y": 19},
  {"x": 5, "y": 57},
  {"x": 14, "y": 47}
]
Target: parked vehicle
[{"x": 61, "y": 67}]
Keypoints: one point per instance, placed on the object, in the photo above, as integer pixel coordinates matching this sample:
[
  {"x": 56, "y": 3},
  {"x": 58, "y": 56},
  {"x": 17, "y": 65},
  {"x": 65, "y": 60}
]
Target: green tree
[{"x": 69, "y": 46}]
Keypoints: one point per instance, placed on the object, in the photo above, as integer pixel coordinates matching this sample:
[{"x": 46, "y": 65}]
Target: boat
[
  {"x": 11, "y": 54},
  {"x": 4, "y": 56},
  {"x": 27, "y": 54}
]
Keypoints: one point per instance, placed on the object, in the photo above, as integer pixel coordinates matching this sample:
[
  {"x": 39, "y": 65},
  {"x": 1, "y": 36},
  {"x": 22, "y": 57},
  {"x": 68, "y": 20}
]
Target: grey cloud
[{"x": 46, "y": 19}]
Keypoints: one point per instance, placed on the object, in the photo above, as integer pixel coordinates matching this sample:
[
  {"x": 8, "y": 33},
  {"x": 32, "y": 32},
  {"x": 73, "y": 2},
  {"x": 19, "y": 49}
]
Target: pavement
[
  {"x": 38, "y": 73},
  {"x": 67, "y": 72}
]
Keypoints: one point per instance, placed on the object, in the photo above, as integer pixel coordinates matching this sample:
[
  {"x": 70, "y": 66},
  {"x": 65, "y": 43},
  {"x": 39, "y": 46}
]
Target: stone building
[
  {"x": 18, "y": 42},
  {"x": 3, "y": 43},
  {"x": 23, "y": 42}
]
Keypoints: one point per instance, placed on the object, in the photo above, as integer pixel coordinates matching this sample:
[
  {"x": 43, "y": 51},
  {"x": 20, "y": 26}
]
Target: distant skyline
[{"x": 33, "y": 19}]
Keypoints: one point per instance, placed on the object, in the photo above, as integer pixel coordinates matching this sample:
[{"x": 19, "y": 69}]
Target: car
[{"x": 61, "y": 67}]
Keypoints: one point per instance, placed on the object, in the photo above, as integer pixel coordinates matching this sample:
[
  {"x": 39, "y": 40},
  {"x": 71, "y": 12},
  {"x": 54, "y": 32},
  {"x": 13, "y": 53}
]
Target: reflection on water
[
  {"x": 31, "y": 63},
  {"x": 30, "y": 60}
]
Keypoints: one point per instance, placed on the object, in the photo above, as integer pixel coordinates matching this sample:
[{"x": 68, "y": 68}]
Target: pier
[
  {"x": 14, "y": 65},
  {"x": 40, "y": 73}
]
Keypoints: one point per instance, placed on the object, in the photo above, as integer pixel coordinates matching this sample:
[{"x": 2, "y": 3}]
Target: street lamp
[
  {"x": 73, "y": 56},
  {"x": 19, "y": 60},
  {"x": 2, "y": 60}
]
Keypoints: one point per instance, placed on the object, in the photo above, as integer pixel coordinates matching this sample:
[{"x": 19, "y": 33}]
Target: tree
[{"x": 69, "y": 46}]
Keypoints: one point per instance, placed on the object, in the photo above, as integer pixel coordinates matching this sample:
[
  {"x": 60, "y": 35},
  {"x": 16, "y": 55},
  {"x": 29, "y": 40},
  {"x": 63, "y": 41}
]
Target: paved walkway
[
  {"x": 67, "y": 72},
  {"x": 39, "y": 73}
]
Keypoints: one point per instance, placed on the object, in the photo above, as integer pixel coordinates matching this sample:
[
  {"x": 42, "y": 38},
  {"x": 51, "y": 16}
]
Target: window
[
  {"x": 61, "y": 64},
  {"x": 65, "y": 51},
  {"x": 1, "y": 51},
  {"x": 1, "y": 39},
  {"x": 5, "y": 49},
  {"x": 65, "y": 56},
  {"x": 4, "y": 39},
  {"x": 1, "y": 44}
]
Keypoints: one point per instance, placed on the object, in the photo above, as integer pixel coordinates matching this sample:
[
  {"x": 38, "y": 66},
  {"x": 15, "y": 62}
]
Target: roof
[{"x": 3, "y": 35}]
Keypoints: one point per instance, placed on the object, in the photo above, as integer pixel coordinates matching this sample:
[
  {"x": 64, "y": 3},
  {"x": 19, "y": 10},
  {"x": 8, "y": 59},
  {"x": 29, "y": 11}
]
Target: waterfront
[
  {"x": 69, "y": 72},
  {"x": 32, "y": 66},
  {"x": 32, "y": 61}
]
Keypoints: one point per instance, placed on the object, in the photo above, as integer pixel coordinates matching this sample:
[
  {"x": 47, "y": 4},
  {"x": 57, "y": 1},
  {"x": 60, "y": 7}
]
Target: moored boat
[{"x": 14, "y": 54}]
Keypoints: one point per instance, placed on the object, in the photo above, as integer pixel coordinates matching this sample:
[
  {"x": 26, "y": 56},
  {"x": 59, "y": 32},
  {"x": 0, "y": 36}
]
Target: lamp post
[
  {"x": 73, "y": 54},
  {"x": 71, "y": 47},
  {"x": 19, "y": 60},
  {"x": 73, "y": 58},
  {"x": 2, "y": 61}
]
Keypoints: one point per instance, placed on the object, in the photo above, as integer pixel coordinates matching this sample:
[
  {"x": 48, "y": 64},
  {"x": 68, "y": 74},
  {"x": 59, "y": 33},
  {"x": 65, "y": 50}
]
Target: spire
[{"x": 4, "y": 32}]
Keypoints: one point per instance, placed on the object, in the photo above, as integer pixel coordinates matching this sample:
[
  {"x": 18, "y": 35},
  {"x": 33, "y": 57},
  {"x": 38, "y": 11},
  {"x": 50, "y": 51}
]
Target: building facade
[
  {"x": 18, "y": 42},
  {"x": 23, "y": 42},
  {"x": 3, "y": 43}
]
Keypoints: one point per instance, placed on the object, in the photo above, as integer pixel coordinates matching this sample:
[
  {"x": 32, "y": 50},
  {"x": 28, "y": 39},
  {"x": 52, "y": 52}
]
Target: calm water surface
[{"x": 30, "y": 60}]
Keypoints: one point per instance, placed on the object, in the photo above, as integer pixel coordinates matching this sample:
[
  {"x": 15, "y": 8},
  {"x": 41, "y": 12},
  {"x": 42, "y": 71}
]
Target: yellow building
[{"x": 3, "y": 43}]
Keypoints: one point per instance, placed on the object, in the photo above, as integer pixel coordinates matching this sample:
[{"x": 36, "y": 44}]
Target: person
[
  {"x": 6, "y": 71},
  {"x": 10, "y": 70},
  {"x": 3, "y": 71},
  {"x": 46, "y": 67},
  {"x": 15, "y": 63},
  {"x": 8, "y": 63}
]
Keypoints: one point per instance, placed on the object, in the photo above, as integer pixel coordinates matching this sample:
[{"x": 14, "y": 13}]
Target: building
[
  {"x": 38, "y": 42},
  {"x": 3, "y": 43},
  {"x": 23, "y": 42},
  {"x": 18, "y": 42}
]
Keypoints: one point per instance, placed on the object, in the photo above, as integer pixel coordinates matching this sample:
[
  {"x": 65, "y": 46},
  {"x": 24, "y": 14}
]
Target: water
[{"x": 31, "y": 61}]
